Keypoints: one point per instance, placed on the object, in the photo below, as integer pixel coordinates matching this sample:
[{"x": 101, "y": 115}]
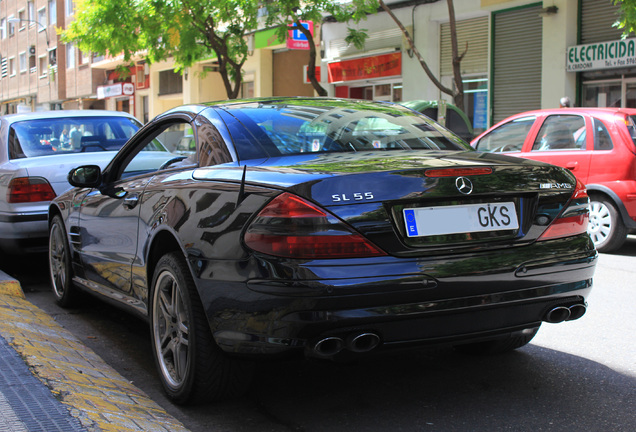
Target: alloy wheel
[
  {"x": 58, "y": 260},
  {"x": 171, "y": 329}
]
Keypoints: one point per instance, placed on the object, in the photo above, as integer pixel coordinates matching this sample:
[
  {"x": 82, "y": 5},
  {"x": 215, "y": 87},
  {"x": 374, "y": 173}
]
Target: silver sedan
[{"x": 37, "y": 150}]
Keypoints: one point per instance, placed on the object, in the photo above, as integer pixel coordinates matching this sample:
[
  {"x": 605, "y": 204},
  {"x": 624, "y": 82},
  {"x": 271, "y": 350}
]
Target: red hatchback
[{"x": 597, "y": 144}]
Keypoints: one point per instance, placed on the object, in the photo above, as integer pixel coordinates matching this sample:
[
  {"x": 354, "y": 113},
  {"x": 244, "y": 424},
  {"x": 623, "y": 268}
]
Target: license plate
[{"x": 457, "y": 219}]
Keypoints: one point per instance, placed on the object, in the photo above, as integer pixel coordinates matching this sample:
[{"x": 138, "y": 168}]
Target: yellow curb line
[{"x": 93, "y": 391}]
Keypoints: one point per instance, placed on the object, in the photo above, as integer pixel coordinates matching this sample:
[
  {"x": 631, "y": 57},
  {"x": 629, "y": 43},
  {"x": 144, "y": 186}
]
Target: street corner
[{"x": 92, "y": 391}]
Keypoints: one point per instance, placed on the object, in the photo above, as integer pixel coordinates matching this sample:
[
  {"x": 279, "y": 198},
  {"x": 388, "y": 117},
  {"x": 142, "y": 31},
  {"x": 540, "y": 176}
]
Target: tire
[
  {"x": 60, "y": 269},
  {"x": 499, "y": 346},
  {"x": 192, "y": 368},
  {"x": 606, "y": 227}
]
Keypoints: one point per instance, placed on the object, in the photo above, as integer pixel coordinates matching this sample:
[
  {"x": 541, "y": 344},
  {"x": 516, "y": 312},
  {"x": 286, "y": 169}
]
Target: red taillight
[
  {"x": 29, "y": 189},
  {"x": 574, "y": 219},
  {"x": 292, "y": 227}
]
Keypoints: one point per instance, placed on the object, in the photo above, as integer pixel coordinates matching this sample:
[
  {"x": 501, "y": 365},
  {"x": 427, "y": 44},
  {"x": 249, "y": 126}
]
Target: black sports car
[{"x": 321, "y": 227}]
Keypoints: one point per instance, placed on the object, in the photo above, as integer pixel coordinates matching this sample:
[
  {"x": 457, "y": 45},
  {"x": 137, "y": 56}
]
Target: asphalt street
[{"x": 578, "y": 375}]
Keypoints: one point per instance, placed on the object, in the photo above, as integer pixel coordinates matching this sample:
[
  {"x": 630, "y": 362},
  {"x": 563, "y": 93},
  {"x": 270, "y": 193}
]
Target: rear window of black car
[
  {"x": 42, "y": 137},
  {"x": 287, "y": 129}
]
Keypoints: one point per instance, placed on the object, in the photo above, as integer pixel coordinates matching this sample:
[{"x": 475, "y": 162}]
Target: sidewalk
[{"x": 50, "y": 381}]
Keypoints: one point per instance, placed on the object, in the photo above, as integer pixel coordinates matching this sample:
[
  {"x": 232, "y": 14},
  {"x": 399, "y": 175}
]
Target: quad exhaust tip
[
  {"x": 565, "y": 313},
  {"x": 363, "y": 342},
  {"x": 355, "y": 342},
  {"x": 329, "y": 346}
]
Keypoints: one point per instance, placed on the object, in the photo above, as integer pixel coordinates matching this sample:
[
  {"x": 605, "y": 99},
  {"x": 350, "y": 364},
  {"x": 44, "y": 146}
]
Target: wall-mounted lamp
[{"x": 548, "y": 11}]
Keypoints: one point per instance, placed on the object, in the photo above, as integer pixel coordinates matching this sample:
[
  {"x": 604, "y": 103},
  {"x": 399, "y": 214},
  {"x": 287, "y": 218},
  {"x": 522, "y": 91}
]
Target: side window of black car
[
  {"x": 212, "y": 148},
  {"x": 162, "y": 148}
]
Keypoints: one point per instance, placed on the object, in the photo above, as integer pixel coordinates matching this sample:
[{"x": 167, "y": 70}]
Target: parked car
[
  {"x": 446, "y": 114},
  {"x": 596, "y": 144},
  {"x": 37, "y": 150},
  {"x": 322, "y": 228}
]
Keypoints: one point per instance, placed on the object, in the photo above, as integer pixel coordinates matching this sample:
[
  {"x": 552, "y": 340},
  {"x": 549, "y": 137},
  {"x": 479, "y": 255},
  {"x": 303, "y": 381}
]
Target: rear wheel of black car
[
  {"x": 606, "y": 228},
  {"x": 193, "y": 369},
  {"x": 60, "y": 264},
  {"x": 498, "y": 346}
]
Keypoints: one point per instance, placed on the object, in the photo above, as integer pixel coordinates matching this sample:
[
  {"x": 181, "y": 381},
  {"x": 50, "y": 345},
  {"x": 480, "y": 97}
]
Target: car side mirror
[{"x": 86, "y": 176}]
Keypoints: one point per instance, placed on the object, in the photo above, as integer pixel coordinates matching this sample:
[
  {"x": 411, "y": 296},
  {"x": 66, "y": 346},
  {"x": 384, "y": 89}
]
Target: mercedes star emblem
[{"x": 464, "y": 185}]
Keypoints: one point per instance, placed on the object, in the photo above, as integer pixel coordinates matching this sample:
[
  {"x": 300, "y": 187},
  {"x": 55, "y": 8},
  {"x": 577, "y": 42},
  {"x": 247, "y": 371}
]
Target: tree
[
  {"x": 288, "y": 15},
  {"x": 627, "y": 19},
  {"x": 458, "y": 91},
  {"x": 186, "y": 30}
]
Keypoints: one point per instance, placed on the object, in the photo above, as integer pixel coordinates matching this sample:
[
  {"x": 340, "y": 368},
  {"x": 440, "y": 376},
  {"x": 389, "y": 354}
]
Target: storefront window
[
  {"x": 604, "y": 94},
  {"x": 630, "y": 95},
  {"x": 397, "y": 92},
  {"x": 476, "y": 102},
  {"x": 390, "y": 92}
]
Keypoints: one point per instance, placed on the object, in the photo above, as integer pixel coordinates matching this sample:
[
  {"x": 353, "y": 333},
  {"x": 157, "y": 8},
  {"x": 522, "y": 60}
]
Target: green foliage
[
  {"x": 287, "y": 15},
  {"x": 186, "y": 30},
  {"x": 356, "y": 37},
  {"x": 627, "y": 19},
  {"x": 282, "y": 13},
  {"x": 190, "y": 31}
]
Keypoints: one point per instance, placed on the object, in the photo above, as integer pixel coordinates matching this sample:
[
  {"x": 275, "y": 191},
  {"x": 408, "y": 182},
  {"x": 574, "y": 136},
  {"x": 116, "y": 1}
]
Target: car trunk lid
[{"x": 413, "y": 203}]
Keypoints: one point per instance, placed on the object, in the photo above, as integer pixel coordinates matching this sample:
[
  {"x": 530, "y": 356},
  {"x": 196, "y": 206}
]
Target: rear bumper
[
  {"x": 431, "y": 302},
  {"x": 406, "y": 324},
  {"x": 23, "y": 232}
]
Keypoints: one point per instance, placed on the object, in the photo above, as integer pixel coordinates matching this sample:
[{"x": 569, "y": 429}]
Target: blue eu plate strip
[{"x": 411, "y": 225}]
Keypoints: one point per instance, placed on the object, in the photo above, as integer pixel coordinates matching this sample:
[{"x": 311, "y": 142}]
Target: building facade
[
  {"x": 519, "y": 55},
  {"x": 38, "y": 71}
]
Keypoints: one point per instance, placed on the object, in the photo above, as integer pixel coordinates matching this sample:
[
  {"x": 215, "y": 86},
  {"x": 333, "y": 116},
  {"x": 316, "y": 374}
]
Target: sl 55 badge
[{"x": 356, "y": 196}]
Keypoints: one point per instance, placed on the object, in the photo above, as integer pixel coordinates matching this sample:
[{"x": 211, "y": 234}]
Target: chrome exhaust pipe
[
  {"x": 557, "y": 315},
  {"x": 363, "y": 342},
  {"x": 577, "y": 311},
  {"x": 328, "y": 346}
]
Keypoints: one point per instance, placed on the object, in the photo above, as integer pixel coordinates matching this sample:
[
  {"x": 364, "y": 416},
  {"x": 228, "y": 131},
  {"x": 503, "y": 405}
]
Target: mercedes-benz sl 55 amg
[{"x": 318, "y": 227}]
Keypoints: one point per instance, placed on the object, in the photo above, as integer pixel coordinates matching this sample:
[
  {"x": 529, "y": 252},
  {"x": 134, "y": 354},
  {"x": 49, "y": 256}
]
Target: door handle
[
  {"x": 131, "y": 201},
  {"x": 571, "y": 165}
]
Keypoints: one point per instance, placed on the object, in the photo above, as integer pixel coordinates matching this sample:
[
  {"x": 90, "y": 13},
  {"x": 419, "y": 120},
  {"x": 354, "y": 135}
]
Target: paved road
[{"x": 578, "y": 375}]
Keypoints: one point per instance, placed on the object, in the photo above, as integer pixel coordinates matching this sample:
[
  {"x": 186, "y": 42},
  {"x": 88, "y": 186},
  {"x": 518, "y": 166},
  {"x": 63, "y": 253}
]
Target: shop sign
[
  {"x": 296, "y": 39},
  {"x": 381, "y": 66},
  {"x": 602, "y": 55},
  {"x": 316, "y": 73},
  {"x": 114, "y": 90}
]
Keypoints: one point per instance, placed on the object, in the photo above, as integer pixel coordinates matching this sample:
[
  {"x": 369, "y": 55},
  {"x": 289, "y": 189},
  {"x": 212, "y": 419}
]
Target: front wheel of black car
[
  {"x": 60, "y": 264},
  {"x": 498, "y": 346},
  {"x": 193, "y": 369},
  {"x": 606, "y": 228}
]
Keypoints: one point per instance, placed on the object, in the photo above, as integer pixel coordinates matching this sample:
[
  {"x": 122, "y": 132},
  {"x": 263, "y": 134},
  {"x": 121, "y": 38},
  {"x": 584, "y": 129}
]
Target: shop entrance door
[{"x": 620, "y": 93}]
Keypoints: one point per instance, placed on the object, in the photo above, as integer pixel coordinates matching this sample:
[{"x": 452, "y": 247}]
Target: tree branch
[{"x": 409, "y": 39}]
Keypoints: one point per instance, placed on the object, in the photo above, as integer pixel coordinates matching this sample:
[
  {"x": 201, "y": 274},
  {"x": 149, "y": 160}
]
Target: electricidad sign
[{"x": 602, "y": 55}]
